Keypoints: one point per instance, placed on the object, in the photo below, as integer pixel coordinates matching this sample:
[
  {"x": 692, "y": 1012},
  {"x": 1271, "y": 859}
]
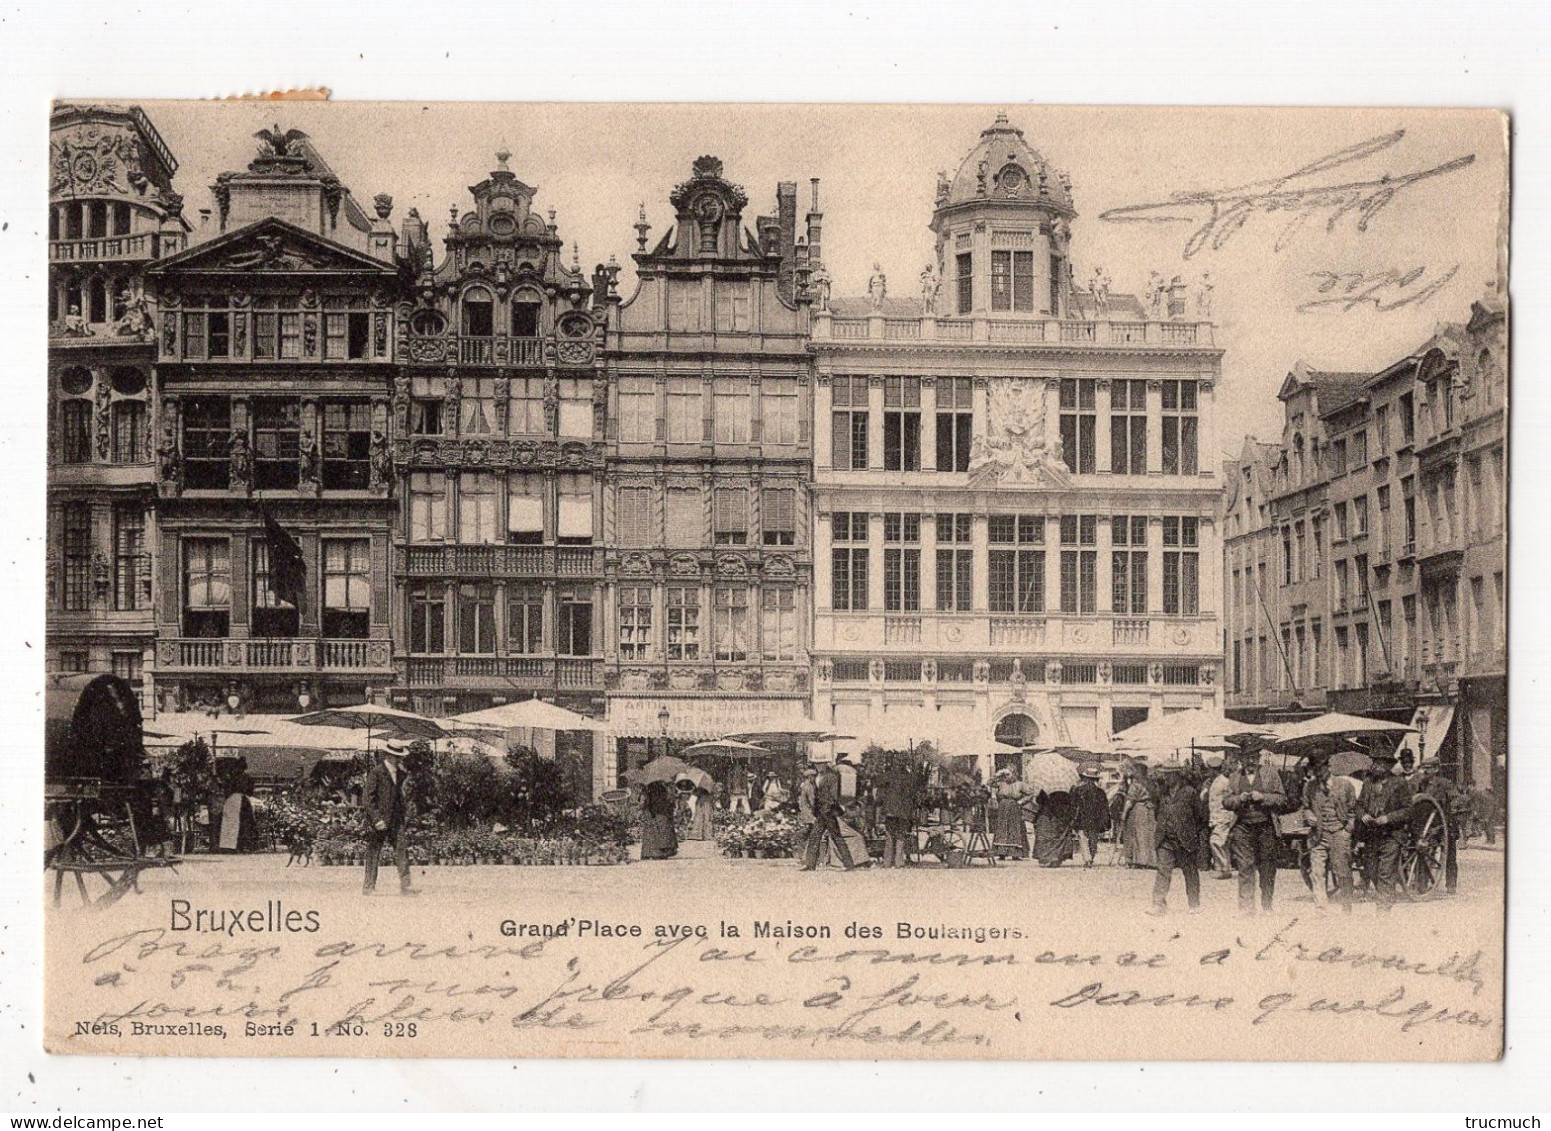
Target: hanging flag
[{"x": 287, "y": 567}]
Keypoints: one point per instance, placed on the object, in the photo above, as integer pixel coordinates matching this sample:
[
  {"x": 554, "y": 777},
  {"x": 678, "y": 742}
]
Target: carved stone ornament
[
  {"x": 778, "y": 566},
  {"x": 732, "y": 565},
  {"x": 1013, "y": 449},
  {"x": 826, "y": 671},
  {"x": 635, "y": 564},
  {"x": 684, "y": 565},
  {"x": 876, "y": 670}
]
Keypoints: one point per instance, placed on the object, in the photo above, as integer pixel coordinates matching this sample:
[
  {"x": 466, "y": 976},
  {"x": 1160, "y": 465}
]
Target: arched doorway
[{"x": 1015, "y": 730}]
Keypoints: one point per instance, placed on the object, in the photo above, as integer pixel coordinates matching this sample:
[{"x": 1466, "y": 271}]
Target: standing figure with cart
[
  {"x": 1255, "y": 795},
  {"x": 1436, "y": 784},
  {"x": 1332, "y": 803},
  {"x": 1384, "y": 818}
]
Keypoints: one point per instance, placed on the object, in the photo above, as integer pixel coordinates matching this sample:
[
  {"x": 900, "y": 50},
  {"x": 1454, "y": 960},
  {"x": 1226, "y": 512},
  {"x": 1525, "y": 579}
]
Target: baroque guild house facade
[{"x": 1016, "y": 535}]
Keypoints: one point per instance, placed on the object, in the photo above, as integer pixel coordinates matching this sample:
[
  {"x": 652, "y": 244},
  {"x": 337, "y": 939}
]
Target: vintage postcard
[{"x": 776, "y": 581}]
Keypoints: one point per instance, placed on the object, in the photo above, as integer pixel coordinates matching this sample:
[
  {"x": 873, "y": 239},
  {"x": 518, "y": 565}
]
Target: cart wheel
[{"x": 1421, "y": 861}]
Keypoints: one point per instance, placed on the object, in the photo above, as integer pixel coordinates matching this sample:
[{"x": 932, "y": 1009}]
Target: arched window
[
  {"x": 526, "y": 311},
  {"x": 1017, "y": 730},
  {"x": 97, "y": 300},
  {"x": 478, "y": 313}
]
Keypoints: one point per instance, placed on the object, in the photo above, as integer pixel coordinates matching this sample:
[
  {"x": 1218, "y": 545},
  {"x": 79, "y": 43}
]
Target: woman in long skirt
[
  {"x": 1139, "y": 829},
  {"x": 700, "y": 816},
  {"x": 1009, "y": 839},
  {"x": 1055, "y": 829},
  {"x": 659, "y": 840}
]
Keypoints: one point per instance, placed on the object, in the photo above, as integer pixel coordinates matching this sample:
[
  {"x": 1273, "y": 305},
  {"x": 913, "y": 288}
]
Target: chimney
[
  {"x": 786, "y": 216},
  {"x": 815, "y": 227}
]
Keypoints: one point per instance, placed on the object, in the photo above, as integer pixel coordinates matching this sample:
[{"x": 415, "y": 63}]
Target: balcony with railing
[
  {"x": 536, "y": 673},
  {"x": 1156, "y": 636},
  {"x": 101, "y": 249},
  {"x": 993, "y": 331},
  {"x": 274, "y": 654},
  {"x": 477, "y": 349},
  {"x": 451, "y": 560}
]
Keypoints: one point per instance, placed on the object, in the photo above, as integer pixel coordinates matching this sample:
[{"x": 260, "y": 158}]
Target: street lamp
[
  {"x": 304, "y": 699},
  {"x": 1421, "y": 738},
  {"x": 663, "y": 715},
  {"x": 233, "y": 700}
]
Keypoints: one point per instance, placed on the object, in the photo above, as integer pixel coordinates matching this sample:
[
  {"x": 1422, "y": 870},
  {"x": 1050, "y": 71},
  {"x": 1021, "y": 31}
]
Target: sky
[{"x": 596, "y": 164}]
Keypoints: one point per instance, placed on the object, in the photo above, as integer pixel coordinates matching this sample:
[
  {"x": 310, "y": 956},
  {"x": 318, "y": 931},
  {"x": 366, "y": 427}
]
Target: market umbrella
[
  {"x": 1196, "y": 729},
  {"x": 1049, "y": 772},
  {"x": 1335, "y": 724},
  {"x": 370, "y": 717},
  {"x": 727, "y": 748},
  {"x": 698, "y": 779},
  {"x": 1350, "y": 763},
  {"x": 665, "y": 768},
  {"x": 529, "y": 713}
]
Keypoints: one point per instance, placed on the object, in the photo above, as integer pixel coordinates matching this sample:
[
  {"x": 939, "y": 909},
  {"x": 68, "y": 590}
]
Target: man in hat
[
  {"x": 1219, "y": 817},
  {"x": 899, "y": 794},
  {"x": 1181, "y": 824},
  {"x": 385, "y": 799},
  {"x": 1332, "y": 804},
  {"x": 826, "y": 821},
  {"x": 1092, "y": 812},
  {"x": 1384, "y": 813},
  {"x": 1254, "y": 795}
]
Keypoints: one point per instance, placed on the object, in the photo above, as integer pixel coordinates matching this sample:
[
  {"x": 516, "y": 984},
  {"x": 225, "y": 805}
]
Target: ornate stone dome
[{"x": 1005, "y": 169}]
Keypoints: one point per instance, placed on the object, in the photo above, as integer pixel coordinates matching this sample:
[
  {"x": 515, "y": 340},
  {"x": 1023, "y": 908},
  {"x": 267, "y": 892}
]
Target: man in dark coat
[
  {"x": 1255, "y": 795},
  {"x": 1181, "y": 825},
  {"x": 1385, "y": 806},
  {"x": 385, "y": 800},
  {"x": 1092, "y": 812},
  {"x": 899, "y": 794},
  {"x": 826, "y": 821}
]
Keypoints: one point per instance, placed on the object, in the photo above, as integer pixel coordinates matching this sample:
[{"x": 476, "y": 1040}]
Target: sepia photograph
[{"x": 841, "y": 581}]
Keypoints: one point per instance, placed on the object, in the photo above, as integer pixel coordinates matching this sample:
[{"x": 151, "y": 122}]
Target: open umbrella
[
  {"x": 727, "y": 748},
  {"x": 370, "y": 717},
  {"x": 527, "y": 714},
  {"x": 1049, "y": 772},
  {"x": 665, "y": 767},
  {"x": 1196, "y": 729},
  {"x": 1335, "y": 724},
  {"x": 697, "y": 779}
]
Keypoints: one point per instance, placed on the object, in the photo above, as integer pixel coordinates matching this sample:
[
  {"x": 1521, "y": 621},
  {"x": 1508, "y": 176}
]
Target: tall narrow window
[
  {"x": 686, "y": 417},
  {"x": 635, "y": 622},
  {"x": 1181, "y": 428},
  {"x": 778, "y": 411},
  {"x": 276, "y": 443},
  {"x": 477, "y": 522},
  {"x": 1128, "y": 428},
  {"x": 128, "y": 431},
  {"x": 427, "y": 506},
  {"x": 902, "y": 424},
  {"x": 778, "y": 516},
  {"x": 75, "y": 432},
  {"x": 524, "y": 619},
  {"x": 633, "y": 516},
  {"x": 1017, "y": 563},
  {"x": 273, "y": 615},
  {"x": 955, "y": 427},
  {"x": 1079, "y": 563},
  {"x": 682, "y": 607},
  {"x": 1181, "y": 565},
  {"x": 849, "y": 561},
  {"x": 476, "y": 619},
  {"x": 575, "y": 526},
  {"x": 207, "y": 587},
  {"x": 730, "y": 413},
  {"x": 207, "y": 432},
  {"x": 685, "y": 513},
  {"x": 1023, "y": 281},
  {"x": 1001, "y": 280},
  {"x": 525, "y": 318},
  {"x": 901, "y": 562},
  {"x": 637, "y": 410},
  {"x": 778, "y": 624},
  {"x": 955, "y": 563},
  {"x": 76, "y": 520},
  {"x": 427, "y": 619},
  {"x": 1128, "y": 561},
  {"x": 964, "y": 264},
  {"x": 347, "y": 588},
  {"x": 478, "y": 406},
  {"x": 575, "y": 410},
  {"x": 849, "y": 425},
  {"x": 732, "y": 624},
  {"x": 131, "y": 566},
  {"x": 731, "y": 516},
  {"x": 347, "y": 444},
  {"x": 1078, "y": 398},
  {"x": 525, "y": 408},
  {"x": 478, "y": 313}
]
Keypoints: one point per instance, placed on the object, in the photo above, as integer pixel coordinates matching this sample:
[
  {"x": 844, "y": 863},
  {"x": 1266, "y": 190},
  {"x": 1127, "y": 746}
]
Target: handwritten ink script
[
  {"x": 413, "y": 985},
  {"x": 1307, "y": 192},
  {"x": 1343, "y": 291}
]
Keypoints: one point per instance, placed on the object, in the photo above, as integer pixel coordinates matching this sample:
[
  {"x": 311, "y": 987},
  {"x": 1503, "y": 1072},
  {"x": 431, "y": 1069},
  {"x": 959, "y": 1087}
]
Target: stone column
[
  {"x": 875, "y": 562},
  {"x": 1154, "y": 427},
  {"x": 823, "y": 424},
  {"x": 874, "y": 423},
  {"x": 980, "y": 553},
  {"x": 928, "y": 424},
  {"x": 1102, "y": 403},
  {"x": 928, "y": 562}
]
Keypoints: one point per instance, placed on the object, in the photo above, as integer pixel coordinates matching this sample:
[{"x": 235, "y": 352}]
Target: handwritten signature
[
  {"x": 1386, "y": 290},
  {"x": 1222, "y": 214}
]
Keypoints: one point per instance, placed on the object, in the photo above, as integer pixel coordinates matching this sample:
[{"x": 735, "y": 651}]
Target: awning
[
  {"x": 1436, "y": 718},
  {"x": 699, "y": 720}
]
